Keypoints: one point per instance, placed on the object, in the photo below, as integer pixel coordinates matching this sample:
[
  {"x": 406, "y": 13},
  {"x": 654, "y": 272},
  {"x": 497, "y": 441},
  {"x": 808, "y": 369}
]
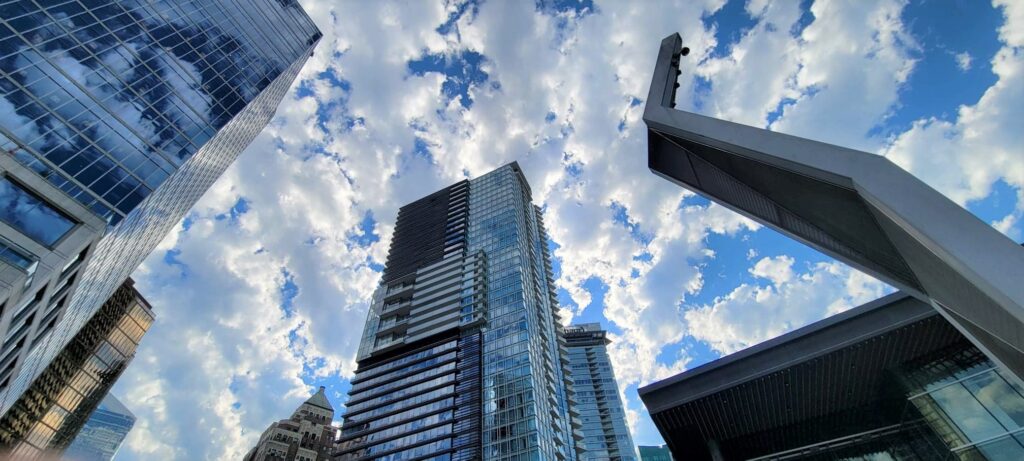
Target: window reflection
[
  {"x": 30, "y": 215},
  {"x": 980, "y": 412}
]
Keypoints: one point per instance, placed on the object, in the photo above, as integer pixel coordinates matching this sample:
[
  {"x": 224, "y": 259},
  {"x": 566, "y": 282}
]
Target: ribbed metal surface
[
  {"x": 847, "y": 391},
  {"x": 842, "y": 223},
  {"x": 421, "y": 233},
  {"x": 960, "y": 298}
]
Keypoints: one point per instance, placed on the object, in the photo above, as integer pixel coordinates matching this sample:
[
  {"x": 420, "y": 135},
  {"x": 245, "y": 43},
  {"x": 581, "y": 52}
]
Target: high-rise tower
[
  {"x": 115, "y": 117},
  {"x": 605, "y": 432},
  {"x": 103, "y": 433},
  {"x": 463, "y": 355},
  {"x": 307, "y": 436}
]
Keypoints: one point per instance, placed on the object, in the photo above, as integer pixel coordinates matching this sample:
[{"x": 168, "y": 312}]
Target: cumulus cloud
[
  {"x": 965, "y": 157},
  {"x": 262, "y": 291},
  {"x": 753, "y": 313},
  {"x": 853, "y": 59},
  {"x": 963, "y": 60},
  {"x": 779, "y": 269}
]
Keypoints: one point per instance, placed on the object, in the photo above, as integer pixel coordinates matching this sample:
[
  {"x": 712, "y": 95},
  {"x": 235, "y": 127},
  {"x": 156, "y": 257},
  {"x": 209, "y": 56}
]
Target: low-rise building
[{"x": 307, "y": 436}]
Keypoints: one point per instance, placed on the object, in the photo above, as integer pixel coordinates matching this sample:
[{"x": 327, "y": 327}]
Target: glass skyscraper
[
  {"x": 103, "y": 432},
  {"x": 463, "y": 356},
  {"x": 658, "y": 453},
  {"x": 605, "y": 432},
  {"x": 115, "y": 117}
]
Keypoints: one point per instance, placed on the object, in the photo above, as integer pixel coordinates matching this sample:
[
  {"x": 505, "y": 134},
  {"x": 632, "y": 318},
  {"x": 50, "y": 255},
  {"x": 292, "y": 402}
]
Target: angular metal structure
[{"x": 857, "y": 207}]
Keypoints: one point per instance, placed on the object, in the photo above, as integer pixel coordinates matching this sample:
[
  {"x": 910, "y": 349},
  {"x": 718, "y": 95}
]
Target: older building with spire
[{"x": 306, "y": 436}]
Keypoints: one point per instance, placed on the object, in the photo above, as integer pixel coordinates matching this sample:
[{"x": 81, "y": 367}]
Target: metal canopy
[
  {"x": 857, "y": 207},
  {"x": 824, "y": 381}
]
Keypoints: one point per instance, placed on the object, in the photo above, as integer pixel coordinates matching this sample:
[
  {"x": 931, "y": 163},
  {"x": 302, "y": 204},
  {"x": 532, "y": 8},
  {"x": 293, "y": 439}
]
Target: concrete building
[
  {"x": 48, "y": 416},
  {"x": 103, "y": 432},
  {"x": 307, "y": 436},
  {"x": 463, "y": 356},
  {"x": 115, "y": 117},
  {"x": 652, "y": 453},
  {"x": 605, "y": 431},
  {"x": 891, "y": 379}
]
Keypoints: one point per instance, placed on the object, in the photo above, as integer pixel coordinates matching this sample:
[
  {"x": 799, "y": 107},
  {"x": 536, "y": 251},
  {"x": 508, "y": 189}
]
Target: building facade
[
  {"x": 463, "y": 356},
  {"x": 103, "y": 432},
  {"x": 48, "y": 416},
  {"x": 892, "y": 379},
  {"x": 115, "y": 117},
  {"x": 655, "y": 453},
  {"x": 605, "y": 432},
  {"x": 307, "y": 436}
]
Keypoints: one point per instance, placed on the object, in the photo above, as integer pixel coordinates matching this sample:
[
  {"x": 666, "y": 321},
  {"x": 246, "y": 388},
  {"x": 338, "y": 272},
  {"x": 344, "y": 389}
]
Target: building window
[{"x": 31, "y": 215}]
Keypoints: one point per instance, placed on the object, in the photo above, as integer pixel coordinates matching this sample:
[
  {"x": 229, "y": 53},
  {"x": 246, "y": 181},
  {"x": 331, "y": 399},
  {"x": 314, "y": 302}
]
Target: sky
[{"x": 261, "y": 291}]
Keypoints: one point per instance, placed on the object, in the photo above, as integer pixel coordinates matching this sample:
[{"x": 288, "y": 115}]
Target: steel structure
[{"x": 857, "y": 207}]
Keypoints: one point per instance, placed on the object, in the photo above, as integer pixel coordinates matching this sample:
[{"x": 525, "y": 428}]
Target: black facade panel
[{"x": 421, "y": 231}]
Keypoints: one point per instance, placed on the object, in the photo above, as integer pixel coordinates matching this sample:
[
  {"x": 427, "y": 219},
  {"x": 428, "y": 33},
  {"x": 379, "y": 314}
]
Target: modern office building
[
  {"x": 605, "y": 431},
  {"x": 857, "y": 207},
  {"x": 891, "y": 379},
  {"x": 49, "y": 414},
  {"x": 307, "y": 436},
  {"x": 115, "y": 117},
  {"x": 103, "y": 433},
  {"x": 652, "y": 453},
  {"x": 463, "y": 356}
]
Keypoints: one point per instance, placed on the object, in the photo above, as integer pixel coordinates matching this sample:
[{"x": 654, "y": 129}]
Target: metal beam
[{"x": 857, "y": 207}]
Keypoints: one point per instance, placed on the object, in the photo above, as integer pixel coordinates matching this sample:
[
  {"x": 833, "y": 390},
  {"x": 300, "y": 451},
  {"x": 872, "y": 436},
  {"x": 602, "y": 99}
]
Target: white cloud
[
  {"x": 963, "y": 60},
  {"x": 853, "y": 59},
  {"x": 964, "y": 158},
  {"x": 309, "y": 187},
  {"x": 768, "y": 51},
  {"x": 1009, "y": 226},
  {"x": 751, "y": 314},
  {"x": 779, "y": 269}
]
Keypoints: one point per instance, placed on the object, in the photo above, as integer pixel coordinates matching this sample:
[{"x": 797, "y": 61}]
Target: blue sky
[{"x": 261, "y": 292}]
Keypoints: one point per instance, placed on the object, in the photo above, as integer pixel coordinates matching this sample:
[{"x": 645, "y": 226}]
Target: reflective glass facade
[
  {"x": 605, "y": 432},
  {"x": 31, "y": 215},
  {"x": 959, "y": 407},
  {"x": 406, "y": 406},
  {"x": 107, "y": 99},
  {"x": 463, "y": 356},
  {"x": 526, "y": 411},
  {"x": 103, "y": 432},
  {"x": 133, "y": 109},
  {"x": 970, "y": 405},
  {"x": 660, "y": 453},
  {"x": 48, "y": 416}
]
